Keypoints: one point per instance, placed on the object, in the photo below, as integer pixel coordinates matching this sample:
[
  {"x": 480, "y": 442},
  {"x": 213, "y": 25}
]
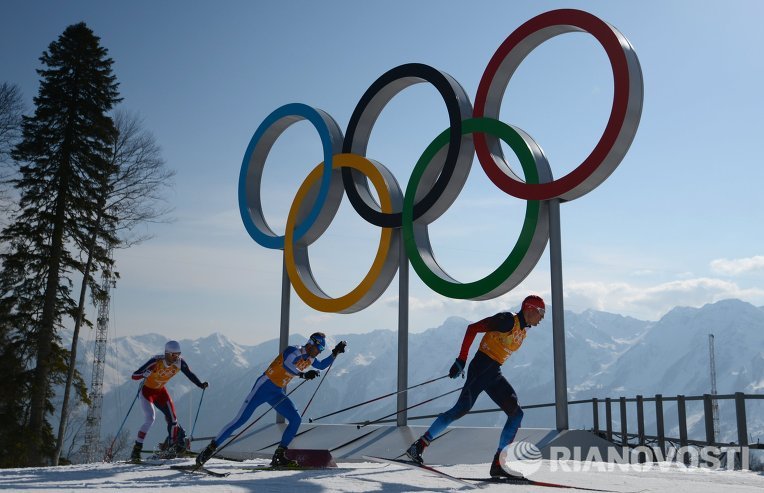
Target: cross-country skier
[
  {"x": 269, "y": 388},
  {"x": 156, "y": 372},
  {"x": 504, "y": 333}
]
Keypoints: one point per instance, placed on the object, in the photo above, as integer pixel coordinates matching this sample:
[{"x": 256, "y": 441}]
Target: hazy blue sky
[{"x": 678, "y": 223}]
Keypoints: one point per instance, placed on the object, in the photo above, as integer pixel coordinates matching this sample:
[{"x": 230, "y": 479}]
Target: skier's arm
[
  {"x": 189, "y": 374},
  {"x": 323, "y": 363},
  {"x": 145, "y": 370}
]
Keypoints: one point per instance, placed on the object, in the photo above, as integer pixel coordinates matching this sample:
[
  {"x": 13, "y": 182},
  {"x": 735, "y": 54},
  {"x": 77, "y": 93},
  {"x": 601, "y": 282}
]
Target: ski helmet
[
  {"x": 172, "y": 347},
  {"x": 534, "y": 301},
  {"x": 318, "y": 339}
]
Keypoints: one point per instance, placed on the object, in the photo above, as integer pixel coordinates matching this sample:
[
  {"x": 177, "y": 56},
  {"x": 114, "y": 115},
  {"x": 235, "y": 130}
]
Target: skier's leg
[
  {"x": 254, "y": 399},
  {"x": 466, "y": 400},
  {"x": 286, "y": 408},
  {"x": 148, "y": 413},
  {"x": 164, "y": 403},
  {"x": 502, "y": 393},
  {"x": 480, "y": 373}
]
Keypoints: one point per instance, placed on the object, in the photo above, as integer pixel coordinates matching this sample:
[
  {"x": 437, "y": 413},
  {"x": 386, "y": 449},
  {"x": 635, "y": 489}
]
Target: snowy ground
[{"x": 371, "y": 477}]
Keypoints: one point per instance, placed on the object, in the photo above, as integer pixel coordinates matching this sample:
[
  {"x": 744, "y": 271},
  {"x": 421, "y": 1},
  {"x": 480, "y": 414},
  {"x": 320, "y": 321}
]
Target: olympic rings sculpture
[{"x": 442, "y": 170}]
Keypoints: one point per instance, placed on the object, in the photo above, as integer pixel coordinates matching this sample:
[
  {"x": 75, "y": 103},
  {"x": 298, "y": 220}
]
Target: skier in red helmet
[{"x": 504, "y": 334}]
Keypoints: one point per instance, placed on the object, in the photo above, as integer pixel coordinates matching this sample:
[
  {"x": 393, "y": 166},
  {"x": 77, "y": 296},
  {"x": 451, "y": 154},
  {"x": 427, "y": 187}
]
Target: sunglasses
[
  {"x": 173, "y": 354},
  {"x": 319, "y": 345}
]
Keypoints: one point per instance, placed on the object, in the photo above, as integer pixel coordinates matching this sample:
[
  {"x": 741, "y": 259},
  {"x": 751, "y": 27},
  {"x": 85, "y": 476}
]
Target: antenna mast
[
  {"x": 714, "y": 402},
  {"x": 93, "y": 421}
]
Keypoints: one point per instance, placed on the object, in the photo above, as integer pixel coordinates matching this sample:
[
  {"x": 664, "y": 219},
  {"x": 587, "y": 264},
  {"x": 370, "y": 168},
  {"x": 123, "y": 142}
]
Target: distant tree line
[{"x": 77, "y": 177}]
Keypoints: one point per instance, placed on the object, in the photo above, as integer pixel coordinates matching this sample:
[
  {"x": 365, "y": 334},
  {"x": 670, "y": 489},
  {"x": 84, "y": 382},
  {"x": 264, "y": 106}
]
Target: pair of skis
[
  {"x": 473, "y": 482},
  {"x": 470, "y": 482},
  {"x": 193, "y": 468}
]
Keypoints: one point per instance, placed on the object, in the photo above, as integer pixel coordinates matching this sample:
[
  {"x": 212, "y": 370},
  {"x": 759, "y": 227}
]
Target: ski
[
  {"x": 531, "y": 482},
  {"x": 414, "y": 465},
  {"x": 266, "y": 467},
  {"x": 193, "y": 468}
]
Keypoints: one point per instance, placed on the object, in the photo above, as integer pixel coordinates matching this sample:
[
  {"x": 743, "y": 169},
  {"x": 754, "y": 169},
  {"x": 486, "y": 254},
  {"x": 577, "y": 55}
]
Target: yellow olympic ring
[{"x": 385, "y": 264}]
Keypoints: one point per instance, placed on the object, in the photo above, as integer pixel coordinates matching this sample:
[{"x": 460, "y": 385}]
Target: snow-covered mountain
[{"x": 608, "y": 356}]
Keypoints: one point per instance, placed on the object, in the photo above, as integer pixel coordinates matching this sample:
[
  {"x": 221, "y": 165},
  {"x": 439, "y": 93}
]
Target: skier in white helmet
[{"x": 156, "y": 372}]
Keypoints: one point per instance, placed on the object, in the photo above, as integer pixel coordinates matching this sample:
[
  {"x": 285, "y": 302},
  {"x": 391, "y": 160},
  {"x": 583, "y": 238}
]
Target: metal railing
[{"x": 660, "y": 439}]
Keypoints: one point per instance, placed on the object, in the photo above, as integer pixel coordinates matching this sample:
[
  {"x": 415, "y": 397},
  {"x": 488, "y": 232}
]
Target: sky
[{"x": 668, "y": 228}]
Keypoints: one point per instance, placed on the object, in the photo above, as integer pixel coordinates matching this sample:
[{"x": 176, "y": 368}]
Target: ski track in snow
[{"x": 368, "y": 477}]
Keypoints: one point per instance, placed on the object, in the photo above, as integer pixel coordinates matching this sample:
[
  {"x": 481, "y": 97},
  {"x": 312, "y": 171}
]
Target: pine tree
[{"x": 63, "y": 161}]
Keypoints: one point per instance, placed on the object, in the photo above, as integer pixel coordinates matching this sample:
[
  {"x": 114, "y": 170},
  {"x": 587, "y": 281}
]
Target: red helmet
[{"x": 534, "y": 301}]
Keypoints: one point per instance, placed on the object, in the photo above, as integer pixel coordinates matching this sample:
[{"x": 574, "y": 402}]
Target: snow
[{"x": 372, "y": 476}]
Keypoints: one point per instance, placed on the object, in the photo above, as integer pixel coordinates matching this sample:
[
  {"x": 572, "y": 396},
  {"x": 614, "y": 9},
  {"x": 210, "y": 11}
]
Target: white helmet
[{"x": 172, "y": 347}]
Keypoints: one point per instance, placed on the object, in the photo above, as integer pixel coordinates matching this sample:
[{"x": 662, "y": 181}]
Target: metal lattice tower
[
  {"x": 714, "y": 402},
  {"x": 93, "y": 421}
]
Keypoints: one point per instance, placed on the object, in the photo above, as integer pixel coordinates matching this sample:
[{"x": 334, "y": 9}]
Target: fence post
[
  {"x": 641, "y": 419},
  {"x": 708, "y": 411},
  {"x": 624, "y": 431},
  {"x": 660, "y": 432},
  {"x": 682, "y": 412},
  {"x": 596, "y": 415},
  {"x": 609, "y": 418},
  {"x": 742, "y": 428}
]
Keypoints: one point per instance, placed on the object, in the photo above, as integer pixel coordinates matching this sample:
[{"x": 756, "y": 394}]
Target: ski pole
[
  {"x": 365, "y": 423},
  {"x": 108, "y": 455},
  {"x": 250, "y": 425},
  {"x": 317, "y": 387},
  {"x": 197, "y": 414},
  {"x": 376, "y": 399}
]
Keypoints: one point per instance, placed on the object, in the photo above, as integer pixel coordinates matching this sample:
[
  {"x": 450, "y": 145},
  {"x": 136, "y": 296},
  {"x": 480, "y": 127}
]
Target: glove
[
  {"x": 457, "y": 368},
  {"x": 339, "y": 348},
  {"x": 205, "y": 385},
  {"x": 309, "y": 375}
]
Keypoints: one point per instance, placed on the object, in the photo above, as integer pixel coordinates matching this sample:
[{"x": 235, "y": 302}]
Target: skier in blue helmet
[{"x": 294, "y": 361}]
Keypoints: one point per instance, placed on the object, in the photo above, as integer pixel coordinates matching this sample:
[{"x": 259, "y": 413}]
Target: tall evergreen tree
[
  {"x": 63, "y": 161},
  {"x": 11, "y": 109}
]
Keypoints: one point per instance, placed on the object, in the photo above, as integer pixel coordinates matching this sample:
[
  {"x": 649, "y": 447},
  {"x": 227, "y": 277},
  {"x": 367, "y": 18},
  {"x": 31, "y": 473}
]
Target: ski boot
[
  {"x": 416, "y": 449},
  {"x": 498, "y": 472},
  {"x": 205, "y": 454},
  {"x": 135, "y": 455},
  {"x": 280, "y": 459}
]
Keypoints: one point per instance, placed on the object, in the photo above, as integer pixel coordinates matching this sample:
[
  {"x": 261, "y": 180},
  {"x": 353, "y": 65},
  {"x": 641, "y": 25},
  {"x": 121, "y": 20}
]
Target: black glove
[
  {"x": 339, "y": 348},
  {"x": 457, "y": 368},
  {"x": 309, "y": 375},
  {"x": 205, "y": 385}
]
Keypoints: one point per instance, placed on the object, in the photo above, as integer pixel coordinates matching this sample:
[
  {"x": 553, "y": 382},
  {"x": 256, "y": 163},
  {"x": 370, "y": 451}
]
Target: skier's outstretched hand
[
  {"x": 457, "y": 368},
  {"x": 339, "y": 348}
]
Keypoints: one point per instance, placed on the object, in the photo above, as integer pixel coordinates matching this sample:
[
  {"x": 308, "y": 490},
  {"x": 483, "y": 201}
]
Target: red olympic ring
[{"x": 621, "y": 126}]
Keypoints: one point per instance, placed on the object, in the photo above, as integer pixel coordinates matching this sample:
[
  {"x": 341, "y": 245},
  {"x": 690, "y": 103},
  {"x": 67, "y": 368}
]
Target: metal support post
[
  {"x": 403, "y": 334},
  {"x": 286, "y": 290},
  {"x": 558, "y": 317}
]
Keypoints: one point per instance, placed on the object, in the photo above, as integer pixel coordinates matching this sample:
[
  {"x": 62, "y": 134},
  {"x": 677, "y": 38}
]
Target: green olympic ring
[{"x": 530, "y": 244}]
